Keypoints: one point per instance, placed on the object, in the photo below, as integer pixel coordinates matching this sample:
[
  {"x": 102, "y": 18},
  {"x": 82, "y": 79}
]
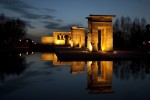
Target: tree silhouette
[
  {"x": 126, "y": 70},
  {"x": 11, "y": 63},
  {"x": 128, "y": 33},
  {"x": 11, "y": 30}
]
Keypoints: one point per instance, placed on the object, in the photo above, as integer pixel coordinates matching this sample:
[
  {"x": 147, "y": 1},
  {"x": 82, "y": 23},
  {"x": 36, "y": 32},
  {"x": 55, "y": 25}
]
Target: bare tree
[{"x": 11, "y": 30}]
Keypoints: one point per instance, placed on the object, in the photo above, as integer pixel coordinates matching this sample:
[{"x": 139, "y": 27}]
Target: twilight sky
[{"x": 45, "y": 16}]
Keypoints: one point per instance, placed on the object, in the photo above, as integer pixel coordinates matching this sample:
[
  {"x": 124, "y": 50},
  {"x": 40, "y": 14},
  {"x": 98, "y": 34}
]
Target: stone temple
[{"x": 99, "y": 36}]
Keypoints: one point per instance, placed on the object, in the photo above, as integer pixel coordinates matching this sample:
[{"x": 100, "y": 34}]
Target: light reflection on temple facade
[{"x": 99, "y": 72}]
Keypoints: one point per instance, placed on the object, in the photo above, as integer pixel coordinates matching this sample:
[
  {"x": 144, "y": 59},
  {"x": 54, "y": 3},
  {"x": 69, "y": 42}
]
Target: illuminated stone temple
[
  {"x": 75, "y": 38},
  {"x": 78, "y": 36},
  {"x": 62, "y": 38},
  {"x": 99, "y": 36},
  {"x": 100, "y": 33}
]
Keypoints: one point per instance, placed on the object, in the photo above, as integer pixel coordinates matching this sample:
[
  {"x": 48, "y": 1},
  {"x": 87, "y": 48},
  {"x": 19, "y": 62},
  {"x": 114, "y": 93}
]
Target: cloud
[
  {"x": 47, "y": 16},
  {"x": 49, "y": 10},
  {"x": 66, "y": 27},
  {"x": 59, "y": 20},
  {"x": 28, "y": 12},
  {"x": 57, "y": 25},
  {"x": 24, "y": 9},
  {"x": 51, "y": 25},
  {"x": 29, "y": 25},
  {"x": 16, "y": 3},
  {"x": 16, "y": 6},
  {"x": 35, "y": 16}
]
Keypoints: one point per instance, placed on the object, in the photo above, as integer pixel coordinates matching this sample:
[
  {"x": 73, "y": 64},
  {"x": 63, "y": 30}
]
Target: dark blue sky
[{"x": 45, "y": 16}]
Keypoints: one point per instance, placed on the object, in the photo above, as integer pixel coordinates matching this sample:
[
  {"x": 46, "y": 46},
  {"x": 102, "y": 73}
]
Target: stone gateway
[
  {"x": 99, "y": 36},
  {"x": 100, "y": 33}
]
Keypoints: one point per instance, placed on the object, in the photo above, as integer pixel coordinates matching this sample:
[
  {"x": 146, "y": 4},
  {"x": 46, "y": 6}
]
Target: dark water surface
[{"x": 41, "y": 76}]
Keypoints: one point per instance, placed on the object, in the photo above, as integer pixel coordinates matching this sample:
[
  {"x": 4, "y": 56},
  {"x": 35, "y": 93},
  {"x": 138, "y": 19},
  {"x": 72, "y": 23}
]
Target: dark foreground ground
[
  {"x": 76, "y": 54},
  {"x": 66, "y": 53}
]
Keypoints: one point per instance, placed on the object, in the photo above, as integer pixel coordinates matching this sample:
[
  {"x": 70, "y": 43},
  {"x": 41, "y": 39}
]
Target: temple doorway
[
  {"x": 99, "y": 40},
  {"x": 66, "y": 39}
]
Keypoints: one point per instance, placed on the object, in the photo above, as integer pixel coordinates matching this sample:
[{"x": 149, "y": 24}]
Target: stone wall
[
  {"x": 60, "y": 38},
  {"x": 78, "y": 36},
  {"x": 47, "y": 40}
]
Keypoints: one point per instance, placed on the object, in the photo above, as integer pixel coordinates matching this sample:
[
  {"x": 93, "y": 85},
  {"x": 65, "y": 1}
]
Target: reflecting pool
[{"x": 41, "y": 76}]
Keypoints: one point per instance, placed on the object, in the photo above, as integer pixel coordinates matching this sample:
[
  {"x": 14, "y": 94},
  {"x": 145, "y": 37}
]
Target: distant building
[
  {"x": 47, "y": 40},
  {"x": 75, "y": 38}
]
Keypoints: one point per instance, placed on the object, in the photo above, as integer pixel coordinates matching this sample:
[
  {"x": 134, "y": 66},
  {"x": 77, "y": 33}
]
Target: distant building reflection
[
  {"x": 76, "y": 66},
  {"x": 99, "y": 76}
]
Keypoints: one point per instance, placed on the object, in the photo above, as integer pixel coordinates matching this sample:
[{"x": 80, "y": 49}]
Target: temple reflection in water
[
  {"x": 76, "y": 66},
  {"x": 99, "y": 73},
  {"x": 99, "y": 76}
]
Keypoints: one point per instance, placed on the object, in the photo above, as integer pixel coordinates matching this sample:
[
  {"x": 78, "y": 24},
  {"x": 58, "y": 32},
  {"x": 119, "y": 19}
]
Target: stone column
[{"x": 94, "y": 45}]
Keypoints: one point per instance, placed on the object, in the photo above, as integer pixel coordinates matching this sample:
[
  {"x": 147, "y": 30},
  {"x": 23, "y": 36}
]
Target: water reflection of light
[
  {"x": 99, "y": 76},
  {"x": 47, "y": 56},
  {"x": 85, "y": 51},
  {"x": 114, "y": 52},
  {"x": 77, "y": 67},
  {"x": 20, "y": 54}
]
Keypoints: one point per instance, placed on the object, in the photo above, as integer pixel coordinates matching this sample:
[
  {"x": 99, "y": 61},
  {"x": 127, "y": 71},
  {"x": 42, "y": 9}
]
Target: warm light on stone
[
  {"x": 47, "y": 40},
  {"x": 62, "y": 38},
  {"x": 78, "y": 36},
  {"x": 90, "y": 47},
  {"x": 99, "y": 36},
  {"x": 75, "y": 38},
  {"x": 100, "y": 32}
]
